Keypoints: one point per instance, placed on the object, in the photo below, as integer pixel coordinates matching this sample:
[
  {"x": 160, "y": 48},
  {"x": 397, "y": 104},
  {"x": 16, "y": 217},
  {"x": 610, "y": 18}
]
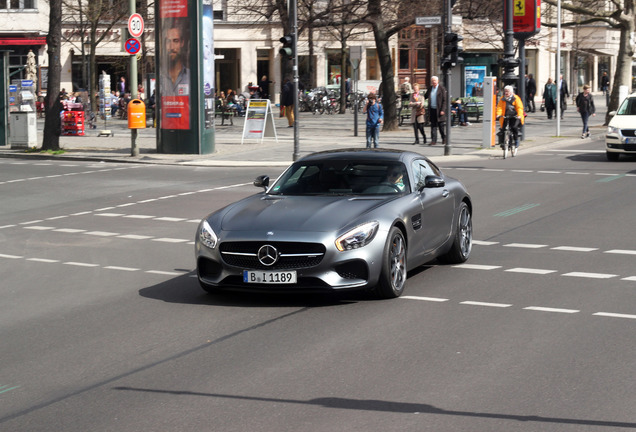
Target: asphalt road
[{"x": 104, "y": 327}]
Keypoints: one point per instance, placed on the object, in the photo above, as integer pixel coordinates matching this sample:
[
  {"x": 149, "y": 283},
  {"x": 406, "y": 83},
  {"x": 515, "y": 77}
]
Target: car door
[{"x": 437, "y": 208}]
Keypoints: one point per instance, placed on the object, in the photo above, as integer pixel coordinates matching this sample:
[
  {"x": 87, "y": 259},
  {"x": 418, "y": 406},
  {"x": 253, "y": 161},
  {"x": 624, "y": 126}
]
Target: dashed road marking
[
  {"x": 525, "y": 245},
  {"x": 428, "y": 299},
  {"x": 477, "y": 266},
  {"x": 621, "y": 251},
  {"x": 476, "y": 303},
  {"x": 614, "y": 315},
  {"x": 590, "y": 275},
  {"x": 531, "y": 271},
  {"x": 574, "y": 249},
  {"x": 549, "y": 309}
]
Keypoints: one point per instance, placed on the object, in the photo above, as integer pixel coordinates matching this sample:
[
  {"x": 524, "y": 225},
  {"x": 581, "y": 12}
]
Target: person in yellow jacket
[{"x": 510, "y": 110}]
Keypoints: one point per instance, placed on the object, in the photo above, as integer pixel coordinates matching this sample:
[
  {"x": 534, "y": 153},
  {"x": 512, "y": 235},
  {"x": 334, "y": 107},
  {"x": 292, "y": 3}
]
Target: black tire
[
  {"x": 612, "y": 156},
  {"x": 463, "y": 240},
  {"x": 393, "y": 277}
]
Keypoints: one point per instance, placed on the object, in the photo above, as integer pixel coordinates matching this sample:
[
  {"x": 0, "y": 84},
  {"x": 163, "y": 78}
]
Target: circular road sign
[
  {"x": 132, "y": 46},
  {"x": 135, "y": 25}
]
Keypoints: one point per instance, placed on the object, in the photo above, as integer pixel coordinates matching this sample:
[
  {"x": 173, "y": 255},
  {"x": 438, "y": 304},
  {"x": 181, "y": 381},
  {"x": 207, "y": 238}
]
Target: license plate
[
  {"x": 269, "y": 277},
  {"x": 630, "y": 140}
]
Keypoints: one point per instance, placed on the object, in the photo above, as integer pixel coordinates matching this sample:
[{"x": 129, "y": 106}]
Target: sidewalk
[{"x": 316, "y": 133}]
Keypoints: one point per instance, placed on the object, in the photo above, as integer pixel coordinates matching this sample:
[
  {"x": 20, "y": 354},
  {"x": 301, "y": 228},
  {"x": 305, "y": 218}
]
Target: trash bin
[{"x": 136, "y": 114}]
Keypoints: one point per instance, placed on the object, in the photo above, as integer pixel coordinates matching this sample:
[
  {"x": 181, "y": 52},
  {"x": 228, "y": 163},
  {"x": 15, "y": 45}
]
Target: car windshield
[
  {"x": 628, "y": 107},
  {"x": 339, "y": 177}
]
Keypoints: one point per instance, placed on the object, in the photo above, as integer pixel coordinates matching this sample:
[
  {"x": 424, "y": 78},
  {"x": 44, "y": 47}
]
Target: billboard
[
  {"x": 474, "y": 80},
  {"x": 174, "y": 52}
]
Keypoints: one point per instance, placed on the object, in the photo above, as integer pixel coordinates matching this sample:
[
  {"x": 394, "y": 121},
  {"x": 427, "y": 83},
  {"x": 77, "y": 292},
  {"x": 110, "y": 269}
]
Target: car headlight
[
  {"x": 613, "y": 130},
  {"x": 207, "y": 236},
  {"x": 358, "y": 237}
]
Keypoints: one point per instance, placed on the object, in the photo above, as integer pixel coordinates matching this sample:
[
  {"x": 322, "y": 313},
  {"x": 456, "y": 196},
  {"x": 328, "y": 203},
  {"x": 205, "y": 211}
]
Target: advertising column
[{"x": 185, "y": 64}]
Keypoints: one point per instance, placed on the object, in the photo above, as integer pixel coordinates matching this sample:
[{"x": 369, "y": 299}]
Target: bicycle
[{"x": 508, "y": 145}]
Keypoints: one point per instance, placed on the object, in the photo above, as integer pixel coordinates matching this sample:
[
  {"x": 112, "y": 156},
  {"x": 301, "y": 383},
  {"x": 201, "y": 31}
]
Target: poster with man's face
[{"x": 174, "y": 73}]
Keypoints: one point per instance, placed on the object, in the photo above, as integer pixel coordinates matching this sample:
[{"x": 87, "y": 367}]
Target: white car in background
[{"x": 621, "y": 131}]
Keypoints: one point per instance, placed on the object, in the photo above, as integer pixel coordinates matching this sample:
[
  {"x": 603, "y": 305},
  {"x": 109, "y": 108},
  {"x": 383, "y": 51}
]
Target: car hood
[
  {"x": 296, "y": 213},
  {"x": 623, "y": 121}
]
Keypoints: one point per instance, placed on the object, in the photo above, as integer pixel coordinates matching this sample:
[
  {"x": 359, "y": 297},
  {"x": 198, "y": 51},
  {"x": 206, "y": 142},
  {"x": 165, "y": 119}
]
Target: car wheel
[
  {"x": 463, "y": 240},
  {"x": 611, "y": 156},
  {"x": 393, "y": 276}
]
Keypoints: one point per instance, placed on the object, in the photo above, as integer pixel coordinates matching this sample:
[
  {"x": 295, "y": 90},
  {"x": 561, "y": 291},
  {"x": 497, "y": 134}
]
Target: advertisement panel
[
  {"x": 474, "y": 81},
  {"x": 174, "y": 52},
  {"x": 526, "y": 17},
  {"x": 207, "y": 28}
]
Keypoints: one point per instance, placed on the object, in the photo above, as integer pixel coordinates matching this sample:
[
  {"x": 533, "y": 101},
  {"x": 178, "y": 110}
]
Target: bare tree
[
  {"x": 617, "y": 14},
  {"x": 93, "y": 21},
  {"x": 52, "y": 123}
]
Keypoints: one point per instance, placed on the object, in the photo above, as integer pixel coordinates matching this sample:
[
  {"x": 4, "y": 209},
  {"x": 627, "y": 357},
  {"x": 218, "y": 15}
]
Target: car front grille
[
  {"x": 292, "y": 255},
  {"x": 628, "y": 132}
]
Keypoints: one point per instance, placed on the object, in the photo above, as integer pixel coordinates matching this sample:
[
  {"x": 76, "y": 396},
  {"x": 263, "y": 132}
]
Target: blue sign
[
  {"x": 13, "y": 88},
  {"x": 132, "y": 46},
  {"x": 474, "y": 80}
]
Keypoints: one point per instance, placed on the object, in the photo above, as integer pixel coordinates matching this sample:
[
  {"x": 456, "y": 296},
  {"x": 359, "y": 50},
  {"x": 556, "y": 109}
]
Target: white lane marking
[
  {"x": 525, "y": 245},
  {"x": 574, "y": 249},
  {"x": 139, "y": 216},
  {"x": 614, "y": 315},
  {"x": 102, "y": 233},
  {"x": 39, "y": 228},
  {"x": 147, "y": 201},
  {"x": 31, "y": 222},
  {"x": 127, "y": 204},
  {"x": 521, "y": 171},
  {"x": 549, "y": 172},
  {"x": 621, "y": 251},
  {"x": 7, "y": 226},
  {"x": 577, "y": 173},
  {"x": 129, "y": 269},
  {"x": 170, "y": 219},
  {"x": 135, "y": 237},
  {"x": 109, "y": 214},
  {"x": 81, "y": 213},
  {"x": 43, "y": 260},
  {"x": 428, "y": 299},
  {"x": 547, "y": 309},
  {"x": 69, "y": 230},
  {"x": 57, "y": 217},
  {"x": 630, "y": 278},
  {"x": 477, "y": 266},
  {"x": 493, "y": 169},
  {"x": 476, "y": 303},
  {"x": 80, "y": 264},
  {"x": 170, "y": 240},
  {"x": 531, "y": 271},
  {"x": 590, "y": 275},
  {"x": 167, "y": 197},
  {"x": 484, "y": 243},
  {"x": 103, "y": 209},
  {"x": 10, "y": 256}
]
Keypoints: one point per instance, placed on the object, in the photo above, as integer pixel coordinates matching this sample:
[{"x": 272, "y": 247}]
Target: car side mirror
[
  {"x": 612, "y": 113},
  {"x": 432, "y": 181},
  {"x": 262, "y": 181}
]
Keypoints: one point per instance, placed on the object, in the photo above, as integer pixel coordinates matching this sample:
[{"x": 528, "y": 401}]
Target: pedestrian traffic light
[
  {"x": 288, "y": 46},
  {"x": 452, "y": 49}
]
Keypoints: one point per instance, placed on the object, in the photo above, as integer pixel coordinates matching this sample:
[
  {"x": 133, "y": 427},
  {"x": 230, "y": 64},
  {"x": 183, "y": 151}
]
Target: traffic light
[
  {"x": 509, "y": 65},
  {"x": 452, "y": 50},
  {"x": 288, "y": 46}
]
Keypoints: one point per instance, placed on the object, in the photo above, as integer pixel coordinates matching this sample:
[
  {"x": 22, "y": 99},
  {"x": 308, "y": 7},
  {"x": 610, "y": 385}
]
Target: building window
[
  {"x": 373, "y": 66},
  {"x": 404, "y": 57},
  {"x": 334, "y": 67},
  {"x": 421, "y": 56},
  {"x": 17, "y": 4}
]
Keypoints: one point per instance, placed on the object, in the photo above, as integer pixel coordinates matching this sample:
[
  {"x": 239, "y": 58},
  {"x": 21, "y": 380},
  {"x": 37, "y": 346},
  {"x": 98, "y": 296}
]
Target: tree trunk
[
  {"x": 387, "y": 87},
  {"x": 623, "y": 73},
  {"x": 52, "y": 123}
]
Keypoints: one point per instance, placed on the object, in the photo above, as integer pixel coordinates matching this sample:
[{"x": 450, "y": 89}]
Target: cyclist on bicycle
[{"x": 510, "y": 111}]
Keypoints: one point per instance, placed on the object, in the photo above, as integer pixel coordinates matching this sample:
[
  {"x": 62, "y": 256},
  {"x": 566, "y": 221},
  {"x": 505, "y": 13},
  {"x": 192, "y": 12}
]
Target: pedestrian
[
  {"x": 531, "y": 91},
  {"x": 121, "y": 86},
  {"x": 264, "y": 87},
  {"x": 604, "y": 83},
  {"x": 418, "y": 112},
  {"x": 436, "y": 96},
  {"x": 549, "y": 97},
  {"x": 287, "y": 100},
  {"x": 585, "y": 107},
  {"x": 564, "y": 94},
  {"x": 406, "y": 89},
  {"x": 375, "y": 117}
]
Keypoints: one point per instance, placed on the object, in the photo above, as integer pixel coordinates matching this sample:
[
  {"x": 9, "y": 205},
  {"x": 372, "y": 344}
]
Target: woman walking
[
  {"x": 585, "y": 107},
  {"x": 416, "y": 103},
  {"x": 549, "y": 97}
]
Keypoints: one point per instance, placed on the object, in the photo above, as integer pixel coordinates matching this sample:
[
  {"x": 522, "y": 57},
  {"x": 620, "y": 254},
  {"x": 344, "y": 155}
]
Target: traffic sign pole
[{"x": 134, "y": 29}]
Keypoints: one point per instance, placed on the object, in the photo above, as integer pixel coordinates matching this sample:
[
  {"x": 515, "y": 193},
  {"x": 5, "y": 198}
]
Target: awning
[{"x": 23, "y": 41}]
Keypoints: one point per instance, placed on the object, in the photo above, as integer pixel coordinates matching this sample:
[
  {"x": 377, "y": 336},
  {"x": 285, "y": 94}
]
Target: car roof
[{"x": 363, "y": 154}]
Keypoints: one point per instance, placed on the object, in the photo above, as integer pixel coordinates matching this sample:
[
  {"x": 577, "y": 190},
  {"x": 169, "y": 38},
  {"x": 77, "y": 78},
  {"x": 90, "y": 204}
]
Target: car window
[
  {"x": 343, "y": 178},
  {"x": 421, "y": 169},
  {"x": 628, "y": 107}
]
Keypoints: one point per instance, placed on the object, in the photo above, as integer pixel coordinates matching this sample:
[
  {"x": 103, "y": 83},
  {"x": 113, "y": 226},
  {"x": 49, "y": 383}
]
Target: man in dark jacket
[
  {"x": 564, "y": 94},
  {"x": 436, "y": 95},
  {"x": 531, "y": 91}
]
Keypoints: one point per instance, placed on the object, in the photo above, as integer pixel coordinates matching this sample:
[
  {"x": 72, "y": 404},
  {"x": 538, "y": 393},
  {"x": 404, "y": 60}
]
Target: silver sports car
[{"x": 337, "y": 220}]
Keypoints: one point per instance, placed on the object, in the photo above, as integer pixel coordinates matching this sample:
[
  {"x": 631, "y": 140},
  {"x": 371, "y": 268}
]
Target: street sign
[
  {"x": 135, "y": 25},
  {"x": 132, "y": 46},
  {"x": 431, "y": 20}
]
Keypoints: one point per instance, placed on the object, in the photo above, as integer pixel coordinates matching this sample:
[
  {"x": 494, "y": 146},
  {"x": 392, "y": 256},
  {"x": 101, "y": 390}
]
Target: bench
[{"x": 474, "y": 107}]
